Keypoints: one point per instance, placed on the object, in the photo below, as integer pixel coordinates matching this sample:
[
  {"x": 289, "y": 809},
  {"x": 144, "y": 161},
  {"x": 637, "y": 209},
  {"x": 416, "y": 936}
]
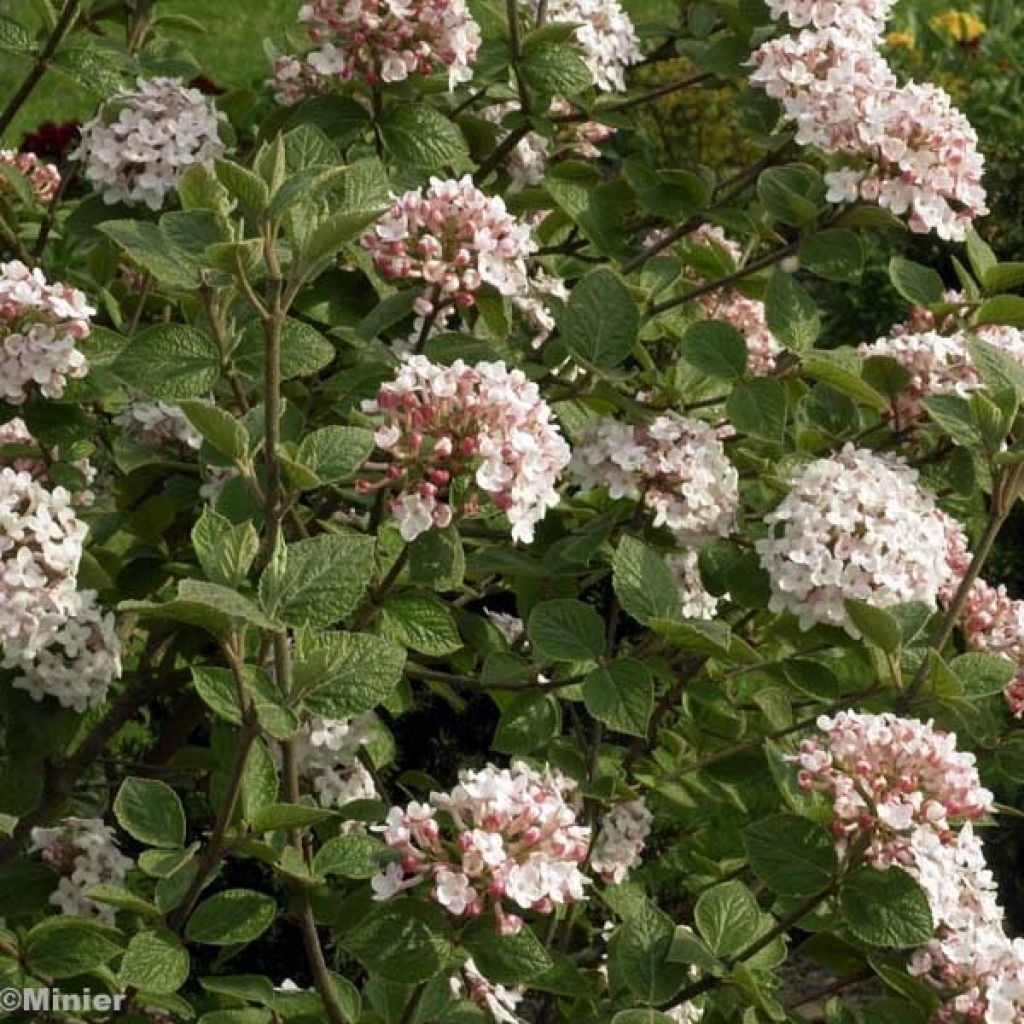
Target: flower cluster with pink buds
[
  {"x": 43, "y": 178},
  {"x": 856, "y": 526},
  {"x": 295, "y": 79},
  {"x": 27, "y": 455},
  {"x": 502, "y": 837},
  {"x": 993, "y": 622},
  {"x": 383, "y": 41},
  {"x": 499, "y": 1001},
  {"x": 901, "y": 790},
  {"x": 695, "y": 599},
  {"x": 620, "y": 841},
  {"x": 472, "y": 431},
  {"x": 734, "y": 308},
  {"x": 913, "y": 152},
  {"x": 40, "y": 326},
  {"x": 606, "y": 36},
  {"x": 454, "y": 238},
  {"x": 84, "y": 852},
  {"x": 676, "y": 466},
  {"x": 143, "y": 140},
  {"x": 157, "y": 425}
]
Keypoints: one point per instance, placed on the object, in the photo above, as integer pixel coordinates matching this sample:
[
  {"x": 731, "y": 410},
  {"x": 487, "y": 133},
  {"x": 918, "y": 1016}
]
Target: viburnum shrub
[{"x": 449, "y": 571}]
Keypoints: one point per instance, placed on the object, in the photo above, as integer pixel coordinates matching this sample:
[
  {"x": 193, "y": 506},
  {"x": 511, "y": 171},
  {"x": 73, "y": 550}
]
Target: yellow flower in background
[
  {"x": 901, "y": 39},
  {"x": 960, "y": 26}
]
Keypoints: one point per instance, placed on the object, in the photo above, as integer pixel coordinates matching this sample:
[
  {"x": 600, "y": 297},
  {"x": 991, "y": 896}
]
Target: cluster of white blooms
[
  {"x": 620, "y": 841},
  {"x": 734, "y": 308},
  {"x": 84, "y": 852},
  {"x": 454, "y": 238},
  {"x": 42, "y": 177},
  {"x": 80, "y": 660},
  {"x": 507, "y": 834},
  {"x": 40, "y": 550},
  {"x": 854, "y": 527},
  {"x": 143, "y": 140},
  {"x": 904, "y": 789},
  {"x": 509, "y": 626},
  {"x": 33, "y": 458},
  {"x": 940, "y": 364},
  {"x": 215, "y": 479},
  {"x": 327, "y": 755},
  {"x": 155, "y": 424},
  {"x": 685, "y": 1013},
  {"x": 499, "y": 1000},
  {"x": 472, "y": 430},
  {"x": 696, "y": 601},
  {"x": 994, "y": 623},
  {"x": 295, "y": 79},
  {"x": 677, "y": 466},
  {"x": 388, "y": 40},
  {"x": 40, "y": 324},
  {"x": 914, "y": 153},
  {"x": 528, "y": 161},
  {"x": 606, "y": 36}
]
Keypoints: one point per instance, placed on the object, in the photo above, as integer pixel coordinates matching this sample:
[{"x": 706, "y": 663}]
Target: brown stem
[
  {"x": 634, "y": 101},
  {"x": 40, "y": 67},
  {"x": 373, "y": 602}
]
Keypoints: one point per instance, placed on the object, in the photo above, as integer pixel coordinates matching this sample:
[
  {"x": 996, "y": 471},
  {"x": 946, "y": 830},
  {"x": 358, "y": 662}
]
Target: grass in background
[{"x": 230, "y": 51}]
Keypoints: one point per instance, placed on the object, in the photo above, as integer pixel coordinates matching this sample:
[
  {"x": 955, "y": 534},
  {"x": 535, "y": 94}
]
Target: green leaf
[
  {"x": 728, "y": 918},
  {"x": 1003, "y": 277},
  {"x": 225, "y": 550},
  {"x": 224, "y": 432},
  {"x": 322, "y": 581},
  {"x": 600, "y": 321},
  {"x": 528, "y": 724},
  {"x": 288, "y": 816},
  {"x": 505, "y": 959},
  {"x": 555, "y": 70},
  {"x": 758, "y": 407},
  {"x": 999, "y": 370},
  {"x": 715, "y": 348},
  {"x": 246, "y": 186},
  {"x": 345, "y": 674},
  {"x": 835, "y": 255},
  {"x": 565, "y": 630},
  {"x": 886, "y": 909},
  {"x": 791, "y": 194},
  {"x": 953, "y": 414},
  {"x": 841, "y": 370},
  {"x": 643, "y": 583},
  {"x": 876, "y": 624},
  {"x": 62, "y": 947},
  {"x": 154, "y": 962},
  {"x": 402, "y": 941},
  {"x": 304, "y": 350},
  {"x": 353, "y": 856},
  {"x": 790, "y": 312},
  {"x": 170, "y": 362},
  {"x": 1003, "y": 309},
  {"x": 638, "y": 956},
  {"x": 919, "y": 285},
  {"x": 420, "y": 621},
  {"x": 15, "y": 38},
  {"x": 621, "y": 695},
  {"x": 335, "y": 453},
  {"x": 437, "y": 559},
  {"x": 230, "y": 918},
  {"x": 983, "y": 675},
  {"x": 150, "y": 811},
  {"x": 673, "y": 195},
  {"x": 123, "y": 899},
  {"x": 420, "y": 136},
  {"x": 980, "y": 255},
  {"x": 207, "y": 605},
  {"x": 792, "y": 855},
  {"x": 148, "y": 247}
]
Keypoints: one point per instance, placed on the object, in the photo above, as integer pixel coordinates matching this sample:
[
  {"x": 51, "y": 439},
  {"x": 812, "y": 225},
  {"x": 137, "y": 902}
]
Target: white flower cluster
[
  {"x": 327, "y": 755},
  {"x": 40, "y": 550},
  {"x": 914, "y": 153},
  {"x": 499, "y": 1000},
  {"x": 507, "y": 834},
  {"x": 35, "y": 460},
  {"x": 620, "y": 841},
  {"x": 84, "y": 852},
  {"x": 484, "y": 426},
  {"x": 82, "y": 657},
  {"x": 379, "y": 41},
  {"x": 156, "y": 424},
  {"x": 40, "y": 324},
  {"x": 606, "y": 36},
  {"x": 856, "y": 526},
  {"x": 696, "y": 601},
  {"x": 43, "y": 178},
  {"x": 734, "y": 308},
  {"x": 143, "y": 140},
  {"x": 993, "y": 622},
  {"x": 677, "y": 466},
  {"x": 904, "y": 789}
]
